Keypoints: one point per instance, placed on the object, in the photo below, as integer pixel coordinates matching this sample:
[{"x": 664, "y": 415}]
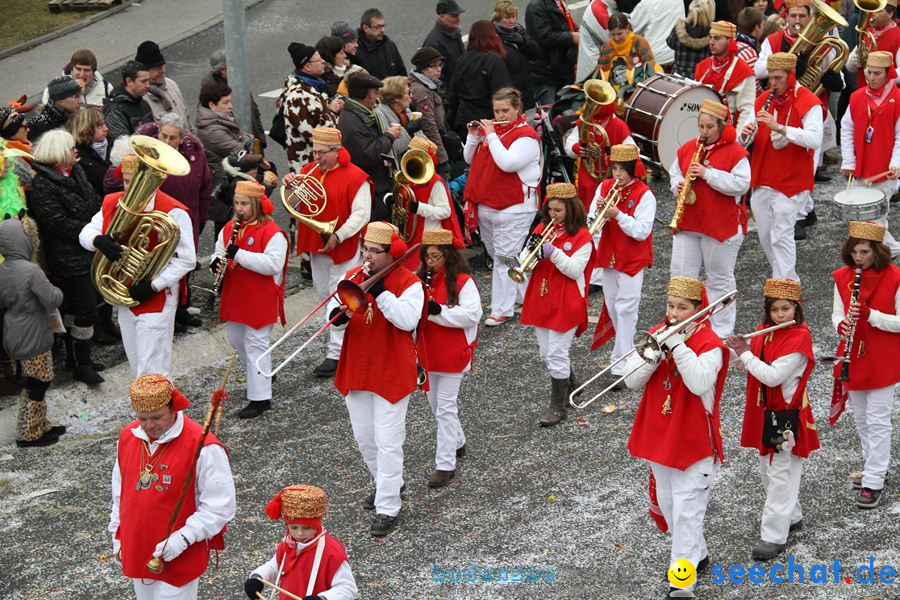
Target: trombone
[
  {"x": 519, "y": 272},
  {"x": 649, "y": 347},
  {"x": 351, "y": 294}
]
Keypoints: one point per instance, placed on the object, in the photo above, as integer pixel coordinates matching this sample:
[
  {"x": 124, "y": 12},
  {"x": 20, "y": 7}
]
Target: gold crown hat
[
  {"x": 297, "y": 502},
  {"x": 864, "y": 230},
  {"x": 623, "y": 153},
  {"x": 250, "y": 189},
  {"x": 782, "y": 289},
  {"x": 881, "y": 59},
  {"x": 129, "y": 164},
  {"x": 789, "y": 4},
  {"x": 892, "y": 3},
  {"x": 723, "y": 29},
  {"x": 419, "y": 142},
  {"x": 327, "y": 136},
  {"x": 686, "y": 287},
  {"x": 152, "y": 391},
  {"x": 560, "y": 191},
  {"x": 784, "y": 61},
  {"x": 717, "y": 110},
  {"x": 380, "y": 232},
  {"x": 437, "y": 237}
]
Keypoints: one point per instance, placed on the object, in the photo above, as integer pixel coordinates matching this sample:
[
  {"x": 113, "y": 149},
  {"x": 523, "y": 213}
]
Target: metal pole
[{"x": 236, "y": 59}]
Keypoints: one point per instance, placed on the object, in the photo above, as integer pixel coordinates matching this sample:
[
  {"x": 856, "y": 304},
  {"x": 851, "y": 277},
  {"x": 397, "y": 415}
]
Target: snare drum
[
  {"x": 862, "y": 204},
  {"x": 662, "y": 114}
]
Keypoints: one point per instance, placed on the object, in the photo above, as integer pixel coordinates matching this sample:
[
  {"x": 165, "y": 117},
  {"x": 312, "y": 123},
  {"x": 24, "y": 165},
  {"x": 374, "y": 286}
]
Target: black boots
[
  {"x": 84, "y": 368},
  {"x": 556, "y": 412}
]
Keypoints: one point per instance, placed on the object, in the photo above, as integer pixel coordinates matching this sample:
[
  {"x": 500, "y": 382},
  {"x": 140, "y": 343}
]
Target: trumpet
[
  {"x": 519, "y": 272},
  {"x": 596, "y": 223},
  {"x": 649, "y": 346},
  {"x": 477, "y": 123}
]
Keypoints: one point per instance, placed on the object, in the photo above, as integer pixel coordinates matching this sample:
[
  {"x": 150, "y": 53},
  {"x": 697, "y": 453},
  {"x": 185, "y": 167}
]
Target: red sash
[
  {"x": 450, "y": 352},
  {"x": 298, "y": 567},
  {"x": 616, "y": 249},
  {"x": 490, "y": 185},
  {"x": 873, "y": 157}
]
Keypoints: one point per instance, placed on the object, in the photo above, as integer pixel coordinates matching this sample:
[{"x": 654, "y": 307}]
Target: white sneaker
[{"x": 493, "y": 321}]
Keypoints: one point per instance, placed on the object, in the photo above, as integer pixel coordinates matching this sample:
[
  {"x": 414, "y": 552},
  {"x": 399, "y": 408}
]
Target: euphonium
[
  {"x": 687, "y": 195},
  {"x": 133, "y": 228},
  {"x": 309, "y": 193},
  {"x": 614, "y": 196},
  {"x": 416, "y": 167},
  {"x": 593, "y": 138},
  {"x": 863, "y": 37},
  {"x": 815, "y": 44}
]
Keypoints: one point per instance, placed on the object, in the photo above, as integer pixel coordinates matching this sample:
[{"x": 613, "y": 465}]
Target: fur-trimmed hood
[{"x": 691, "y": 36}]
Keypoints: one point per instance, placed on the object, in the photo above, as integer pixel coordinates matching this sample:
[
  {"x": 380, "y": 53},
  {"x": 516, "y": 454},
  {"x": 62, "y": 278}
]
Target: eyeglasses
[
  {"x": 323, "y": 152},
  {"x": 433, "y": 257},
  {"x": 375, "y": 251}
]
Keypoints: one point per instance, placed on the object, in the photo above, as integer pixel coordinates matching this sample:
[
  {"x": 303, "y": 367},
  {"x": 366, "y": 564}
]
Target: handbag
[
  {"x": 277, "y": 130},
  {"x": 776, "y": 425}
]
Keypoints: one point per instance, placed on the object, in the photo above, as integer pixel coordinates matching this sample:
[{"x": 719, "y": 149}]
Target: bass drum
[{"x": 662, "y": 114}]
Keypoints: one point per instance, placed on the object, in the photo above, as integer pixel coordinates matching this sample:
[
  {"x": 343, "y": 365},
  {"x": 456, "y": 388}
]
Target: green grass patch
[{"x": 28, "y": 19}]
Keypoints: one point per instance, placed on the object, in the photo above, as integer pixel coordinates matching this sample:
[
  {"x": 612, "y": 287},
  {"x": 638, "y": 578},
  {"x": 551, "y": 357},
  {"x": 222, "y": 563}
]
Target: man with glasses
[
  {"x": 376, "y": 53},
  {"x": 347, "y": 199}
]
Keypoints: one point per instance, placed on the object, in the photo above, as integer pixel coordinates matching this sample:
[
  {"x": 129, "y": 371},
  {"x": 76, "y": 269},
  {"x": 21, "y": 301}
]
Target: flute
[
  {"x": 748, "y": 336},
  {"x": 478, "y": 123},
  {"x": 765, "y": 108}
]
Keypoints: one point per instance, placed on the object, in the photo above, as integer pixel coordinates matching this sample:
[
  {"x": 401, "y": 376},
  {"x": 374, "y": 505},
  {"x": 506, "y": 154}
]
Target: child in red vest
[
  {"x": 308, "y": 562},
  {"x": 556, "y": 298},
  {"x": 778, "y": 419},
  {"x": 454, "y": 309},
  {"x": 252, "y": 250}
]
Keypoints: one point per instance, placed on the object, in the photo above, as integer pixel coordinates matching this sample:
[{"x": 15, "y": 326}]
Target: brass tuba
[
  {"x": 132, "y": 227},
  {"x": 308, "y": 193},
  {"x": 864, "y": 37},
  {"x": 592, "y": 137},
  {"x": 415, "y": 167},
  {"x": 815, "y": 44}
]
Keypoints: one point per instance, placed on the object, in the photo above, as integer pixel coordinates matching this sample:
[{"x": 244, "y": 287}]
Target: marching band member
[
  {"x": 303, "y": 573},
  {"x": 787, "y": 135},
  {"x": 676, "y": 427},
  {"x": 778, "y": 366},
  {"x": 148, "y": 328},
  {"x": 454, "y": 310},
  {"x": 556, "y": 297},
  {"x": 728, "y": 75},
  {"x": 883, "y": 27},
  {"x": 377, "y": 371},
  {"x": 870, "y": 133},
  {"x": 624, "y": 251},
  {"x": 348, "y": 198},
  {"x": 873, "y": 368},
  {"x": 155, "y": 454},
  {"x": 255, "y": 264},
  {"x": 503, "y": 182},
  {"x": 712, "y": 228}
]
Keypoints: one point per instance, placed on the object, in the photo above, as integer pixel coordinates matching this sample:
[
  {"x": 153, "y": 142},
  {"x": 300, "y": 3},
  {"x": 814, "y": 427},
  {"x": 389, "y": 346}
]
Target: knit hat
[
  {"x": 723, "y": 29},
  {"x": 343, "y": 30},
  {"x": 63, "y": 87},
  {"x": 299, "y": 505},
  {"x": 686, "y": 287},
  {"x": 560, "y": 191},
  {"x": 623, "y": 153},
  {"x": 148, "y": 54},
  {"x": 300, "y": 54},
  {"x": 420, "y": 142},
  {"x": 714, "y": 109},
  {"x": 448, "y": 7},
  {"x": 880, "y": 59},
  {"x": 437, "y": 237},
  {"x": 358, "y": 84},
  {"x": 782, "y": 289},
  {"x": 784, "y": 61},
  {"x": 864, "y": 230},
  {"x": 217, "y": 61},
  {"x": 10, "y": 122},
  {"x": 327, "y": 136},
  {"x": 244, "y": 161},
  {"x": 153, "y": 391},
  {"x": 424, "y": 57}
]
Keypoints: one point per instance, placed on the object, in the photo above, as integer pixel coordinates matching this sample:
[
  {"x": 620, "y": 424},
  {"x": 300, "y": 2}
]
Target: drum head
[
  {"x": 859, "y": 197},
  {"x": 679, "y": 121}
]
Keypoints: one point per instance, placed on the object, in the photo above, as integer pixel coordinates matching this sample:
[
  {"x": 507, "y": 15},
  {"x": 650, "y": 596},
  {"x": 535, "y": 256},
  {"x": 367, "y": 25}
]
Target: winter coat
[
  {"x": 50, "y": 117},
  {"x": 520, "y": 49},
  {"x": 559, "y": 52},
  {"x": 449, "y": 44},
  {"x": 304, "y": 109},
  {"x": 691, "y": 45},
  {"x": 259, "y": 131},
  {"x": 478, "y": 75},
  {"x": 94, "y": 165},
  {"x": 389, "y": 117},
  {"x": 95, "y": 93},
  {"x": 221, "y": 137},
  {"x": 124, "y": 114},
  {"x": 366, "y": 144},
  {"x": 380, "y": 58},
  {"x": 25, "y": 294},
  {"x": 62, "y": 206},
  {"x": 427, "y": 99},
  {"x": 194, "y": 190},
  {"x": 167, "y": 98}
]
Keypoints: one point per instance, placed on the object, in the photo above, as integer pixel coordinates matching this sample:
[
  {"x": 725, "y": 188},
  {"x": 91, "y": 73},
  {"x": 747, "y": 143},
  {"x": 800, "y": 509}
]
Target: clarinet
[
  {"x": 848, "y": 342},
  {"x": 223, "y": 265},
  {"x": 429, "y": 274},
  {"x": 765, "y": 107}
]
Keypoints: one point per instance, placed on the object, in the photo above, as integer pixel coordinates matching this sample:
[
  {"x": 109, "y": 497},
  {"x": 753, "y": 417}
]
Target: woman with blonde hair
[
  {"x": 690, "y": 37},
  {"x": 394, "y": 110},
  {"x": 89, "y": 129}
]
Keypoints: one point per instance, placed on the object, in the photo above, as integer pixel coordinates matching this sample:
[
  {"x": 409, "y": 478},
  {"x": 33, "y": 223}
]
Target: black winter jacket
[
  {"x": 94, "y": 165},
  {"x": 559, "y": 52},
  {"x": 449, "y": 44},
  {"x": 366, "y": 144},
  {"x": 478, "y": 75},
  {"x": 62, "y": 206},
  {"x": 51, "y": 117},
  {"x": 124, "y": 114},
  {"x": 520, "y": 49},
  {"x": 379, "y": 58}
]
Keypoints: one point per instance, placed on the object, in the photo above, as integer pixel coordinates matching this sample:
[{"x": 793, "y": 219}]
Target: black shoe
[
  {"x": 868, "y": 498},
  {"x": 84, "y": 370},
  {"x": 369, "y": 500},
  {"x": 57, "y": 430},
  {"x": 766, "y": 550},
  {"x": 594, "y": 289},
  {"x": 326, "y": 368},
  {"x": 383, "y": 525},
  {"x": 254, "y": 409},
  {"x": 796, "y": 526},
  {"x": 799, "y": 231},
  {"x": 185, "y": 318},
  {"x": 47, "y": 439},
  {"x": 810, "y": 219},
  {"x": 821, "y": 176},
  {"x": 703, "y": 564},
  {"x": 895, "y": 198},
  {"x": 461, "y": 451},
  {"x": 440, "y": 478},
  {"x": 180, "y": 327},
  {"x": 306, "y": 270}
]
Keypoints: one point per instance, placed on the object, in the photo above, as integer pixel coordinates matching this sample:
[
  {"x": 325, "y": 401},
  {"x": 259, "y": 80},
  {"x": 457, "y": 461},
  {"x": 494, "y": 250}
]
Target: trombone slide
[{"x": 748, "y": 336}]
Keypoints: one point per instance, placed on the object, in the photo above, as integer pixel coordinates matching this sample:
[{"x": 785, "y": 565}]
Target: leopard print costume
[{"x": 32, "y": 421}]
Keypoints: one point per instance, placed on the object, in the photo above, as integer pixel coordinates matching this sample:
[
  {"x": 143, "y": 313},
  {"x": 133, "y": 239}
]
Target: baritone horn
[
  {"x": 865, "y": 38},
  {"x": 305, "y": 200},
  {"x": 593, "y": 138},
  {"x": 815, "y": 44},
  {"x": 416, "y": 167}
]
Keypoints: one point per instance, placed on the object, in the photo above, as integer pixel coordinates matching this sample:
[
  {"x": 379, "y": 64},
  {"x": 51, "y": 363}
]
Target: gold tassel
[
  {"x": 369, "y": 314},
  {"x": 544, "y": 287},
  {"x": 759, "y": 398},
  {"x": 612, "y": 260},
  {"x": 667, "y": 406},
  {"x": 862, "y": 348}
]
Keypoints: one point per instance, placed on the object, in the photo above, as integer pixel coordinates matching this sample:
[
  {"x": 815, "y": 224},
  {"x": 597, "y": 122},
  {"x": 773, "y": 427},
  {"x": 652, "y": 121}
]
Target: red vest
[
  {"x": 298, "y": 567},
  {"x": 487, "y": 183},
  {"x": 767, "y": 166},
  {"x": 688, "y": 433},
  {"x": 874, "y": 361},
  {"x": 873, "y": 157},
  {"x": 144, "y": 514},
  {"x": 713, "y": 214},
  {"x": 423, "y": 194},
  {"x": 888, "y": 41},
  {"x": 553, "y": 300},
  {"x": 773, "y": 346},
  {"x": 376, "y": 356},
  {"x": 617, "y": 250},
  {"x": 163, "y": 203},
  {"x": 704, "y": 73},
  {"x": 249, "y": 297},
  {"x": 450, "y": 352},
  {"x": 778, "y": 43},
  {"x": 341, "y": 185},
  {"x": 617, "y": 130}
]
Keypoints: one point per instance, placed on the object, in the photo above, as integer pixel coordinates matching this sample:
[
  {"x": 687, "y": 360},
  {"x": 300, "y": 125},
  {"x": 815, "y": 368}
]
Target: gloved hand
[
  {"x": 108, "y": 247},
  {"x": 413, "y": 207},
  {"x": 377, "y": 288},
  {"x": 533, "y": 239},
  {"x": 172, "y": 547},
  {"x": 252, "y": 586},
  {"x": 676, "y": 339},
  {"x": 231, "y": 251},
  {"x": 413, "y": 127},
  {"x": 141, "y": 291},
  {"x": 547, "y": 250},
  {"x": 434, "y": 308},
  {"x": 344, "y": 319},
  {"x": 214, "y": 265},
  {"x": 312, "y": 597},
  {"x": 832, "y": 81},
  {"x": 117, "y": 546}
]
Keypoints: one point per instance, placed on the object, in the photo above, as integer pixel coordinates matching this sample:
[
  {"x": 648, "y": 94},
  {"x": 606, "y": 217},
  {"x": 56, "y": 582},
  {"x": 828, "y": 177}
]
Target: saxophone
[{"x": 687, "y": 195}]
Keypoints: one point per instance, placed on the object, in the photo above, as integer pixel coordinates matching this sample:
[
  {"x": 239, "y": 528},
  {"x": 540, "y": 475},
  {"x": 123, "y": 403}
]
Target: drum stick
[
  {"x": 871, "y": 179},
  {"x": 280, "y": 589},
  {"x": 849, "y": 181}
]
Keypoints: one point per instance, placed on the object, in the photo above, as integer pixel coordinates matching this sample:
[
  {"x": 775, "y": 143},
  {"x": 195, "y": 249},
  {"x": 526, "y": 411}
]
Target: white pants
[
  {"x": 442, "y": 397},
  {"x": 250, "y": 344},
  {"x": 325, "y": 277},
  {"x": 151, "y": 589},
  {"x": 380, "y": 430},
  {"x": 503, "y": 235},
  {"x": 682, "y": 497},
  {"x": 148, "y": 337},
  {"x": 775, "y": 215},
  {"x": 781, "y": 481},
  {"x": 622, "y": 295},
  {"x": 692, "y": 250},
  {"x": 888, "y": 188},
  {"x": 555, "y": 350},
  {"x": 872, "y": 413}
]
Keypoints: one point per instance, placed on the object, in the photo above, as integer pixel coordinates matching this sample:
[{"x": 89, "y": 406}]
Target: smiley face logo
[{"x": 682, "y": 573}]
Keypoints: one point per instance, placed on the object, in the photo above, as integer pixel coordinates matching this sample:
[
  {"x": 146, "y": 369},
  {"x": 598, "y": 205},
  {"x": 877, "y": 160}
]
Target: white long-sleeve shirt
[
  {"x": 848, "y": 144},
  {"x": 570, "y": 266},
  {"x": 523, "y": 157},
  {"x": 213, "y": 487},
  {"x": 403, "y": 311},
  {"x": 808, "y": 136},
  {"x": 343, "y": 584},
  {"x": 437, "y": 209},
  {"x": 592, "y": 38},
  {"x": 572, "y": 139},
  {"x": 465, "y": 315},
  {"x": 183, "y": 261},
  {"x": 360, "y": 213},
  {"x": 877, "y": 319},
  {"x": 852, "y": 65},
  {"x": 268, "y": 262},
  {"x": 734, "y": 183},
  {"x": 637, "y": 226},
  {"x": 785, "y": 371},
  {"x": 654, "y": 19}
]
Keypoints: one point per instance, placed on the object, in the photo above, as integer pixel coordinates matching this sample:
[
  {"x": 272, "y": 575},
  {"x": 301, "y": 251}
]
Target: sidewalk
[{"x": 114, "y": 40}]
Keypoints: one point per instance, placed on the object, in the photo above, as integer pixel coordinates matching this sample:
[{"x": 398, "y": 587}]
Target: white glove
[
  {"x": 675, "y": 339},
  {"x": 117, "y": 545},
  {"x": 171, "y": 548}
]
